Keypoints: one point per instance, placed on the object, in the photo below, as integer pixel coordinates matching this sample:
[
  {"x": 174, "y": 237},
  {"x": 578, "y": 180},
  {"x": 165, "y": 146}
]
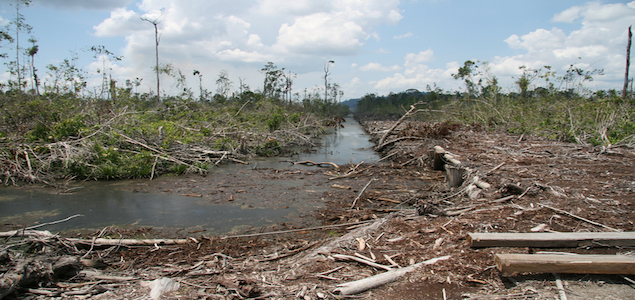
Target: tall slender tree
[
  {"x": 326, "y": 79},
  {"x": 628, "y": 62},
  {"x": 155, "y": 22},
  {"x": 19, "y": 25}
]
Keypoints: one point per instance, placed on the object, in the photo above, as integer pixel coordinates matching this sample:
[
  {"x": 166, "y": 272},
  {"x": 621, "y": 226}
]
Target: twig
[
  {"x": 579, "y": 218},
  {"x": 495, "y": 168},
  {"x": 361, "y": 192},
  {"x": 331, "y": 271},
  {"x": 54, "y": 222},
  {"x": 361, "y": 260}
]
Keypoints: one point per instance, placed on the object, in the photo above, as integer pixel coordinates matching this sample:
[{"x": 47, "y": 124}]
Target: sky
[{"x": 378, "y": 46}]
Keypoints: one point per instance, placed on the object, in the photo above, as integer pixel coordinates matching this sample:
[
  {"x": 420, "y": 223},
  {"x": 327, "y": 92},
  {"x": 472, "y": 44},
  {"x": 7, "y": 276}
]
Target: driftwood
[
  {"x": 558, "y": 263},
  {"x": 552, "y": 239},
  {"x": 365, "y": 284}
]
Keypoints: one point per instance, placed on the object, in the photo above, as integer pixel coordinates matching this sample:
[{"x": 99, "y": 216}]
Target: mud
[{"x": 595, "y": 183}]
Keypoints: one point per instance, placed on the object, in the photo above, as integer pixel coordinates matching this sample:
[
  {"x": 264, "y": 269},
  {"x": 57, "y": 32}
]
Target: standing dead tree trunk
[
  {"x": 155, "y": 22},
  {"x": 628, "y": 62}
]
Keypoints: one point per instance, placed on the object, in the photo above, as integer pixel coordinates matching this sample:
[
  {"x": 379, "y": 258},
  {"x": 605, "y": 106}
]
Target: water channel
[{"x": 117, "y": 203}]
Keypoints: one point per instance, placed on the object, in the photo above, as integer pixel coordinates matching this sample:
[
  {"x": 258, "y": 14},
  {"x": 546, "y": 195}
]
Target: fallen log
[
  {"x": 551, "y": 239},
  {"x": 558, "y": 263},
  {"x": 365, "y": 284}
]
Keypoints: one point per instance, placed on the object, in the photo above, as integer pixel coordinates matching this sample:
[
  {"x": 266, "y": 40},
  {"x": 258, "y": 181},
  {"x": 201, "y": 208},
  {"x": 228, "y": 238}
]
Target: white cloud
[
  {"x": 568, "y": 15},
  {"x": 321, "y": 33},
  {"x": 121, "y": 22},
  {"x": 378, "y": 67},
  {"x": 210, "y": 35},
  {"x": 416, "y": 58},
  {"x": 80, "y": 4},
  {"x": 403, "y": 36}
]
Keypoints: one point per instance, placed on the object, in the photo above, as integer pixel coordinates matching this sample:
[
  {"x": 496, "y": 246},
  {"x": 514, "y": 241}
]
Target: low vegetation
[
  {"x": 557, "y": 107},
  {"x": 64, "y": 136}
]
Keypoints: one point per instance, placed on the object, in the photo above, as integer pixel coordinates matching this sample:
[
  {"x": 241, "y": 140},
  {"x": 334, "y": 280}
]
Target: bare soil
[{"x": 596, "y": 183}]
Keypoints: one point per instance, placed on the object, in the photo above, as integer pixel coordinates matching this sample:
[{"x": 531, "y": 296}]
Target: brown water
[{"x": 260, "y": 198}]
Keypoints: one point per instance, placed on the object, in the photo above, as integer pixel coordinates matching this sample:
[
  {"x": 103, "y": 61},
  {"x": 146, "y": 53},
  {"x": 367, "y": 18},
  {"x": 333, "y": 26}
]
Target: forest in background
[{"x": 545, "y": 103}]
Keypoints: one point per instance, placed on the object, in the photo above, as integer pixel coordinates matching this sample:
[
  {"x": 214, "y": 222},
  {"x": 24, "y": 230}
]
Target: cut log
[
  {"x": 436, "y": 158},
  {"x": 454, "y": 175},
  {"x": 557, "y": 263},
  {"x": 551, "y": 239}
]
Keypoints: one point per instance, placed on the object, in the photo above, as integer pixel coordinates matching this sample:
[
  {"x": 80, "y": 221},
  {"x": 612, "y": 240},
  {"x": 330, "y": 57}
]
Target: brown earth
[{"x": 596, "y": 183}]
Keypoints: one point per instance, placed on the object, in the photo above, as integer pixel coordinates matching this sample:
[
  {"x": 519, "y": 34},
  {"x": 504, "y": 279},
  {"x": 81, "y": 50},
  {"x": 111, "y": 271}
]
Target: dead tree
[{"x": 628, "y": 62}]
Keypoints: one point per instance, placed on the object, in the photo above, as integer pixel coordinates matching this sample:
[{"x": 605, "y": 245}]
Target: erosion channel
[{"x": 231, "y": 198}]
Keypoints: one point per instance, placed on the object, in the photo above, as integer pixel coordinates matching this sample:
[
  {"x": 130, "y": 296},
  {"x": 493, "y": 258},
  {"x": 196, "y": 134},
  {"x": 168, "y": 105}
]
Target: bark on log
[
  {"x": 454, "y": 175},
  {"x": 436, "y": 158},
  {"x": 557, "y": 263},
  {"x": 551, "y": 239},
  {"x": 365, "y": 284}
]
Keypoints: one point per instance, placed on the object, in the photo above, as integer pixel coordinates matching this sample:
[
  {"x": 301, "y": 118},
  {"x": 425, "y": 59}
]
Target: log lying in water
[
  {"x": 551, "y": 239},
  {"x": 558, "y": 263}
]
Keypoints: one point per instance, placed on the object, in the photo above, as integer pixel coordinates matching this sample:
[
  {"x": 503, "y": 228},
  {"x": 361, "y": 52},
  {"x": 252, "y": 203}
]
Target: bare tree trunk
[
  {"x": 628, "y": 62},
  {"x": 156, "y": 39}
]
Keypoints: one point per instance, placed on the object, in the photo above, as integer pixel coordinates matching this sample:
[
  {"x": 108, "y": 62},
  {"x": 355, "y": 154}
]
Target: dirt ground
[{"x": 398, "y": 211}]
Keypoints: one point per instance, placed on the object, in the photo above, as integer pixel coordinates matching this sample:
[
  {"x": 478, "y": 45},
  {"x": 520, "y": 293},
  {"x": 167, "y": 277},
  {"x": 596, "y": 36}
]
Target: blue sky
[{"x": 379, "y": 46}]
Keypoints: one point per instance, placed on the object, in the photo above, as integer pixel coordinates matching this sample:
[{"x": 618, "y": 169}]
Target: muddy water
[{"x": 230, "y": 199}]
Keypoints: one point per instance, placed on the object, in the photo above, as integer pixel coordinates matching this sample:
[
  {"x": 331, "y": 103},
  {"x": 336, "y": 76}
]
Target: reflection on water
[
  {"x": 107, "y": 203},
  {"x": 345, "y": 145}
]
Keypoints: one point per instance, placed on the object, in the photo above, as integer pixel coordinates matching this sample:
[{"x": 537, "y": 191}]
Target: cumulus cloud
[
  {"x": 80, "y": 4},
  {"x": 403, "y": 36},
  {"x": 217, "y": 33},
  {"x": 378, "y": 67},
  {"x": 598, "y": 43},
  {"x": 342, "y": 30}
]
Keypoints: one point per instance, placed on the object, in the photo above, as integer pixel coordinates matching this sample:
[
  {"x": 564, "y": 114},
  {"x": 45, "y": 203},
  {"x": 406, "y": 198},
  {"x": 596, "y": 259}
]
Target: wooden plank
[
  {"x": 555, "y": 263},
  {"x": 551, "y": 239}
]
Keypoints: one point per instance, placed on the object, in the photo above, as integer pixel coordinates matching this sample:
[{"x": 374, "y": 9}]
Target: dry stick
[
  {"x": 360, "y": 193},
  {"x": 563, "y": 295},
  {"x": 294, "y": 230},
  {"x": 361, "y": 260},
  {"x": 578, "y": 217},
  {"x": 387, "y": 133},
  {"x": 241, "y": 108},
  {"x": 54, "y": 222},
  {"x": 494, "y": 169}
]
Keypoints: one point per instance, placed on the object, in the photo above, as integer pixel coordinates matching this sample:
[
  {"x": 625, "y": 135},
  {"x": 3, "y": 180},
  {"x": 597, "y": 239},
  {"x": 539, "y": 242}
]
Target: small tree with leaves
[
  {"x": 468, "y": 73},
  {"x": 100, "y": 52}
]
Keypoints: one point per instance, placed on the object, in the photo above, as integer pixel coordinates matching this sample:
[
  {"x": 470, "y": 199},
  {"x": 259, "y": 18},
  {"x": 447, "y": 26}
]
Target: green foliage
[
  {"x": 270, "y": 148},
  {"x": 275, "y": 121},
  {"x": 225, "y": 144}
]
